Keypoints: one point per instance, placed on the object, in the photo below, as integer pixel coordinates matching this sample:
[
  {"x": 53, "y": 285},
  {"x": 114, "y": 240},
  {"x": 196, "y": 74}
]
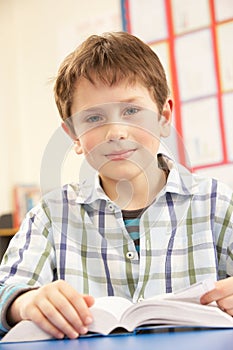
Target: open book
[{"x": 181, "y": 308}]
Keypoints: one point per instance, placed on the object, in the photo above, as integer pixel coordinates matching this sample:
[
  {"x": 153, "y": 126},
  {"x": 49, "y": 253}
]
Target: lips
[{"x": 120, "y": 155}]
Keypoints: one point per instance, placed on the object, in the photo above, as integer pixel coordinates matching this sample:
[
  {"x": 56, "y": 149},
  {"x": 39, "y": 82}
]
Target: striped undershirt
[{"x": 131, "y": 219}]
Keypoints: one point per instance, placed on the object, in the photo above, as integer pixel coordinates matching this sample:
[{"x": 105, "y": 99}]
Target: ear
[
  {"x": 166, "y": 118},
  {"x": 77, "y": 147},
  {"x": 77, "y": 144},
  {"x": 68, "y": 131}
]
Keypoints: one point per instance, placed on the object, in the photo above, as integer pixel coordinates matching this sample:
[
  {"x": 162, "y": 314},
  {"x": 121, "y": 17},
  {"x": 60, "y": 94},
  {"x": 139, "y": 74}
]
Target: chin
[{"x": 118, "y": 173}]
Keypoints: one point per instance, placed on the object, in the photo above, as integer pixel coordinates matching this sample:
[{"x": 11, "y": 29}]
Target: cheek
[
  {"x": 147, "y": 138},
  {"x": 89, "y": 141},
  {"x": 150, "y": 144}
]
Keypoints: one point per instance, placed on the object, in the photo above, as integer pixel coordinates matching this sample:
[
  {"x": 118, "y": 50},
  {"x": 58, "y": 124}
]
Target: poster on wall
[
  {"x": 190, "y": 15},
  {"x": 148, "y": 22},
  {"x": 228, "y": 121},
  {"x": 223, "y": 10},
  {"x": 203, "y": 147},
  {"x": 195, "y": 47},
  {"x": 162, "y": 51},
  {"x": 225, "y": 34},
  {"x": 195, "y": 65}
]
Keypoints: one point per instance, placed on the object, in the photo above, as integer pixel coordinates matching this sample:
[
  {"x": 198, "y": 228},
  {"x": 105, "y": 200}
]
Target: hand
[
  {"x": 222, "y": 294},
  {"x": 57, "y": 308}
]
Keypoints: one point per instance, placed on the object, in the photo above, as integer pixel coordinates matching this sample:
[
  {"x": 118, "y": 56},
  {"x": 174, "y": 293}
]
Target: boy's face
[{"x": 118, "y": 128}]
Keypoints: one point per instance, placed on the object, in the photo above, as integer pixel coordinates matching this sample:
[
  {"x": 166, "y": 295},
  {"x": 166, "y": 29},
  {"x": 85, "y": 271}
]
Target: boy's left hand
[{"x": 222, "y": 294}]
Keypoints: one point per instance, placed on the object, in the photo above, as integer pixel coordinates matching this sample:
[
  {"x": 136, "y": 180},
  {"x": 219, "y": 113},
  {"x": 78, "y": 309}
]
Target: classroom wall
[
  {"x": 193, "y": 41},
  {"x": 35, "y": 36}
]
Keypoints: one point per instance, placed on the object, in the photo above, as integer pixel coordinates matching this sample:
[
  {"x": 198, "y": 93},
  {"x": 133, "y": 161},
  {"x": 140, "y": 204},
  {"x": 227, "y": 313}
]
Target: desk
[
  {"x": 5, "y": 236},
  {"x": 8, "y": 232},
  {"x": 183, "y": 340}
]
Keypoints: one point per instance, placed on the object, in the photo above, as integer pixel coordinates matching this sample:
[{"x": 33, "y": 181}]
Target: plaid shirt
[{"x": 78, "y": 234}]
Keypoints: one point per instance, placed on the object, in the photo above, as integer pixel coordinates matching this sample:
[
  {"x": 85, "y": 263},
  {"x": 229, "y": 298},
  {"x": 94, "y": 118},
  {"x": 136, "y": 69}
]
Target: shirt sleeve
[
  {"x": 7, "y": 295},
  {"x": 224, "y": 228},
  {"x": 29, "y": 260}
]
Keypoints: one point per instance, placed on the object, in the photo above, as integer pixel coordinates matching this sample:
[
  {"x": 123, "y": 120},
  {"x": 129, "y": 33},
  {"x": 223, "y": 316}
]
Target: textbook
[{"x": 116, "y": 314}]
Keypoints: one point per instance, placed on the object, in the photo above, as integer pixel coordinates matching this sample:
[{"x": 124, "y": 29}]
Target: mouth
[{"x": 120, "y": 155}]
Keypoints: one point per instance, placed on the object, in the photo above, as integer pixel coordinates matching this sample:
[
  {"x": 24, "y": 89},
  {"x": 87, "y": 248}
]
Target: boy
[{"x": 143, "y": 226}]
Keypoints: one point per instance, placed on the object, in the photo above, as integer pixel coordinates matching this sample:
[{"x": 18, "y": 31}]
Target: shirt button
[
  {"x": 31, "y": 214},
  {"x": 130, "y": 255},
  {"x": 110, "y": 207}
]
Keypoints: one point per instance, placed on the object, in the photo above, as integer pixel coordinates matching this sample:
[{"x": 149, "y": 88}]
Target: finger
[
  {"x": 57, "y": 318},
  {"x": 82, "y": 311},
  {"x": 38, "y": 318},
  {"x": 78, "y": 302},
  {"x": 209, "y": 297},
  {"x": 70, "y": 320},
  {"x": 89, "y": 300},
  {"x": 73, "y": 313},
  {"x": 229, "y": 311},
  {"x": 226, "y": 304},
  {"x": 223, "y": 289}
]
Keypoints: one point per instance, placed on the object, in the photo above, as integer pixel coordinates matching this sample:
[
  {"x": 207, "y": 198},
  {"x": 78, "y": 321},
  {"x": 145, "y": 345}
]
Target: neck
[{"x": 138, "y": 192}]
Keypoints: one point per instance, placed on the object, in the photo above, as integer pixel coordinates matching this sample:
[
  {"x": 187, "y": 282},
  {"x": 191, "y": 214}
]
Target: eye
[
  {"x": 94, "y": 119},
  {"x": 131, "y": 111}
]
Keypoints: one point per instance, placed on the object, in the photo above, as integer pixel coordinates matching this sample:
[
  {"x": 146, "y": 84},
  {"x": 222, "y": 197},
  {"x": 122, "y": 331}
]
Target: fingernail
[
  {"x": 60, "y": 335},
  {"x": 83, "y": 330},
  {"x": 74, "y": 335},
  {"x": 88, "y": 320}
]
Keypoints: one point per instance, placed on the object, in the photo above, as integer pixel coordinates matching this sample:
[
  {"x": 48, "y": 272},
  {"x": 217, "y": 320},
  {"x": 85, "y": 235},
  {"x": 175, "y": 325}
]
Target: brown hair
[{"x": 110, "y": 58}]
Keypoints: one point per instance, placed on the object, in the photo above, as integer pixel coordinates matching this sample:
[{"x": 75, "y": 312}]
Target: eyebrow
[
  {"x": 131, "y": 99},
  {"x": 98, "y": 107}
]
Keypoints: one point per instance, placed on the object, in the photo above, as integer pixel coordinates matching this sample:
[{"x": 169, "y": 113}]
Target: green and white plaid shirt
[{"x": 78, "y": 234}]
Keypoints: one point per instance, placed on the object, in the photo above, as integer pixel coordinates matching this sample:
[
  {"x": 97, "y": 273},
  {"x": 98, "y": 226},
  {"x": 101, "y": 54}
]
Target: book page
[
  {"x": 174, "y": 308},
  {"x": 107, "y": 312},
  {"x": 193, "y": 292},
  {"x": 179, "y": 308},
  {"x": 176, "y": 312},
  {"x": 25, "y": 331},
  {"x": 159, "y": 309},
  {"x": 114, "y": 305}
]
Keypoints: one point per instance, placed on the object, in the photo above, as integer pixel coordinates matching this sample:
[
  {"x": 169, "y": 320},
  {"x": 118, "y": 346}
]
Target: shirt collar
[
  {"x": 90, "y": 190},
  {"x": 180, "y": 180}
]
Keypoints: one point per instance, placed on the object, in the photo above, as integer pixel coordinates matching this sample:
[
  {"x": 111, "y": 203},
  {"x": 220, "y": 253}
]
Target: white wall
[{"x": 35, "y": 36}]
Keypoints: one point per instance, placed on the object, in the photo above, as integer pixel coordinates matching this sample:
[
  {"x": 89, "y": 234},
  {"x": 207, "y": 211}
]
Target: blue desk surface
[{"x": 183, "y": 340}]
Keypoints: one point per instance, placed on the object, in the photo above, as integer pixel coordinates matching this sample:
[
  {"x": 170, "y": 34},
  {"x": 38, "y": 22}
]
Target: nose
[{"x": 116, "y": 131}]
